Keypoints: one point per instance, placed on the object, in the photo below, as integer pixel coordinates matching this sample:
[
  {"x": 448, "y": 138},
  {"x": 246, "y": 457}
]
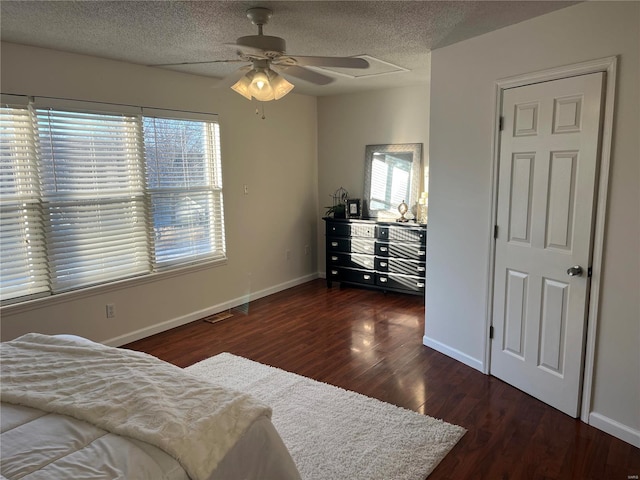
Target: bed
[{"x": 72, "y": 408}]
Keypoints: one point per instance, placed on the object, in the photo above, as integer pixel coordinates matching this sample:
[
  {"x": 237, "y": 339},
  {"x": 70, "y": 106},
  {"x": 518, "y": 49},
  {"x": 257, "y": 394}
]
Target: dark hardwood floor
[{"x": 371, "y": 342}]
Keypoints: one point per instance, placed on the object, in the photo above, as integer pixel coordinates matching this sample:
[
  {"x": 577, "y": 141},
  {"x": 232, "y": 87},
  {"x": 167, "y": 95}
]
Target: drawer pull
[
  {"x": 334, "y": 258},
  {"x": 421, "y": 269},
  {"x": 383, "y": 264},
  {"x": 384, "y": 249},
  {"x": 422, "y": 252},
  {"x": 334, "y": 244},
  {"x": 420, "y": 285},
  {"x": 383, "y": 280},
  {"x": 333, "y": 228},
  {"x": 334, "y": 272},
  {"x": 367, "y": 277}
]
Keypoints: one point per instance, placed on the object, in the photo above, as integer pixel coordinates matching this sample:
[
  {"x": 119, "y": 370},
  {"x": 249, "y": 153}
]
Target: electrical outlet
[
  {"x": 246, "y": 189},
  {"x": 287, "y": 255},
  {"x": 111, "y": 310}
]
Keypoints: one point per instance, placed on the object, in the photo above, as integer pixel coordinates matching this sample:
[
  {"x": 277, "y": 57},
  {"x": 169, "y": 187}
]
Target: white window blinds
[
  {"x": 185, "y": 188},
  {"x": 22, "y": 246},
  {"x": 92, "y": 196}
]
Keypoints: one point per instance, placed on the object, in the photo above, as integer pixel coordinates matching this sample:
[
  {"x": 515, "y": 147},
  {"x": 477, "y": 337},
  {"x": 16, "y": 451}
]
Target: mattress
[{"x": 35, "y": 444}]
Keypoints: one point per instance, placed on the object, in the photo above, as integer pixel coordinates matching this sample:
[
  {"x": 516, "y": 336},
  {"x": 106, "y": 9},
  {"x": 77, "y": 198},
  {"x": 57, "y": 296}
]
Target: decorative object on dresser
[
  {"x": 353, "y": 208},
  {"x": 386, "y": 256},
  {"x": 423, "y": 207},
  {"x": 338, "y": 209},
  {"x": 403, "y": 208}
]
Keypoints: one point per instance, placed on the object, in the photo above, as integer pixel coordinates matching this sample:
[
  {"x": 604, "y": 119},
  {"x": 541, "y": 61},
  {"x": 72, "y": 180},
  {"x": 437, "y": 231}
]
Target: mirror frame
[{"x": 416, "y": 177}]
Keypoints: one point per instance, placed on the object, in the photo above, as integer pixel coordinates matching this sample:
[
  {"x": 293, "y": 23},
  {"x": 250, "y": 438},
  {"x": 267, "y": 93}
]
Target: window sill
[{"x": 48, "y": 301}]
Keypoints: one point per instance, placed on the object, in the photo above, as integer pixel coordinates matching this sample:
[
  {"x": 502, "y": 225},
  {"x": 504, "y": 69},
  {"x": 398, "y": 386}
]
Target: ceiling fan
[{"x": 267, "y": 59}]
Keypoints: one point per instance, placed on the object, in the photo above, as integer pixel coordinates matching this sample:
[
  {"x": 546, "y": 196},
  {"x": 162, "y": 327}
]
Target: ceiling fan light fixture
[
  {"x": 242, "y": 86},
  {"x": 279, "y": 84},
  {"x": 260, "y": 86},
  {"x": 263, "y": 84}
]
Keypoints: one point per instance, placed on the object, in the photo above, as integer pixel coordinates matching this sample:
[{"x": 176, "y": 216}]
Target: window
[
  {"x": 185, "y": 188},
  {"x": 91, "y": 196}
]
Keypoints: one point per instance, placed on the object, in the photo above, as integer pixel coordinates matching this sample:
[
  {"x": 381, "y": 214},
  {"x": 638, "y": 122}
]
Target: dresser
[{"x": 386, "y": 256}]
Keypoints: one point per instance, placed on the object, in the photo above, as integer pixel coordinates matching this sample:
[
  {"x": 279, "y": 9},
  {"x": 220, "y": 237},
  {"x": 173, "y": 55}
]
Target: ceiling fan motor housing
[{"x": 265, "y": 43}]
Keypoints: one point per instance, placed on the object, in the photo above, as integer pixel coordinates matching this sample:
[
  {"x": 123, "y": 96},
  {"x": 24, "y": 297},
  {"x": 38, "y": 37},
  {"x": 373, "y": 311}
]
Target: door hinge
[
  {"x": 589, "y": 272},
  {"x": 491, "y": 331},
  {"x": 495, "y": 231},
  {"x": 501, "y": 123}
]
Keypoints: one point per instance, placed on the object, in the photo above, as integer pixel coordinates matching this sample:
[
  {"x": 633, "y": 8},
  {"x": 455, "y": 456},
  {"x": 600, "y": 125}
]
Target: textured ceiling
[{"x": 152, "y": 32}]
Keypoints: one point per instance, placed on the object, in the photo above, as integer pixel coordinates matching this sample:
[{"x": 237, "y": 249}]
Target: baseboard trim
[
  {"x": 617, "y": 429},
  {"x": 212, "y": 310},
  {"x": 453, "y": 353}
]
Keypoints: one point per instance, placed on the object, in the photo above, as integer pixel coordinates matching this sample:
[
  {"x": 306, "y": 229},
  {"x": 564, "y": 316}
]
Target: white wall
[
  {"x": 462, "y": 114},
  {"x": 275, "y": 157},
  {"x": 348, "y": 123}
]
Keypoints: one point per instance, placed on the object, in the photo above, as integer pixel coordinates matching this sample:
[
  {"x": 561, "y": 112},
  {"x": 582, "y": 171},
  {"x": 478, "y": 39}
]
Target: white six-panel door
[{"x": 549, "y": 148}]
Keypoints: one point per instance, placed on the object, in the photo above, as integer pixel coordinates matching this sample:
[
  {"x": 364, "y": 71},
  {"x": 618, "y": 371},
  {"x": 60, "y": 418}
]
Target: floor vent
[{"x": 218, "y": 317}]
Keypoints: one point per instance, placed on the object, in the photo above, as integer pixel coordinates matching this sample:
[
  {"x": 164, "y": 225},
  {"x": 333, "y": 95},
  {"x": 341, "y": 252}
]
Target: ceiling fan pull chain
[{"x": 258, "y": 111}]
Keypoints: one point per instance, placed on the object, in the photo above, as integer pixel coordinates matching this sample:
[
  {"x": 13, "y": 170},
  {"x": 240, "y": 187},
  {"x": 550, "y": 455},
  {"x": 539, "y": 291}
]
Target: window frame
[
  {"x": 215, "y": 188},
  {"x": 156, "y": 271}
]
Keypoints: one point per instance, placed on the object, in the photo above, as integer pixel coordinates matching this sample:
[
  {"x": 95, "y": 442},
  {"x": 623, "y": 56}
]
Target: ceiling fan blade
[
  {"x": 193, "y": 63},
  {"x": 344, "y": 62},
  {"x": 303, "y": 74}
]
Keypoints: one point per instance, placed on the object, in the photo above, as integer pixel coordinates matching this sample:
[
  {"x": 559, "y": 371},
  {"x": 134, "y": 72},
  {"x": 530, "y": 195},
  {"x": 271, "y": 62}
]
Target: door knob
[{"x": 575, "y": 271}]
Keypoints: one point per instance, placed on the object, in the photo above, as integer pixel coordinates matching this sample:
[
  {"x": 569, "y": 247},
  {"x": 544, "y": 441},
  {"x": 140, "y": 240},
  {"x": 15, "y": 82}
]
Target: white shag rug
[{"x": 336, "y": 434}]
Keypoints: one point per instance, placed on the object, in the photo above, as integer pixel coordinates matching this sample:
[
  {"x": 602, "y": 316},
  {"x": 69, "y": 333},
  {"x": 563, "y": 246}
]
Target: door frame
[{"x": 609, "y": 66}]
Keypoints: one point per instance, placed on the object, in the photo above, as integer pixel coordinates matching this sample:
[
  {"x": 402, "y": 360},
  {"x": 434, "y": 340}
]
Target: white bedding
[
  {"x": 175, "y": 407},
  {"x": 41, "y": 446}
]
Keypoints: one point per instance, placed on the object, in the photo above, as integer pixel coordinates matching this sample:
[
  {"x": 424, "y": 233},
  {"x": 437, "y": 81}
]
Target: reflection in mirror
[{"x": 392, "y": 175}]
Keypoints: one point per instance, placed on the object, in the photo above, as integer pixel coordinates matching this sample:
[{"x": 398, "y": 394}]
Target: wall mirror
[{"x": 392, "y": 174}]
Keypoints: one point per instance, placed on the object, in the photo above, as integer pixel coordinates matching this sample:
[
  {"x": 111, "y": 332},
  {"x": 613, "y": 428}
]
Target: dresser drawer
[
  {"x": 333, "y": 273},
  {"x": 351, "y": 245},
  {"x": 364, "y": 230},
  {"x": 351, "y": 230},
  {"x": 359, "y": 245},
  {"x": 352, "y": 275},
  {"x": 338, "y": 229},
  {"x": 401, "y": 234},
  {"x": 409, "y": 251},
  {"x": 401, "y": 282},
  {"x": 397, "y": 265},
  {"x": 353, "y": 260},
  {"x": 338, "y": 245},
  {"x": 357, "y": 276},
  {"x": 408, "y": 235}
]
